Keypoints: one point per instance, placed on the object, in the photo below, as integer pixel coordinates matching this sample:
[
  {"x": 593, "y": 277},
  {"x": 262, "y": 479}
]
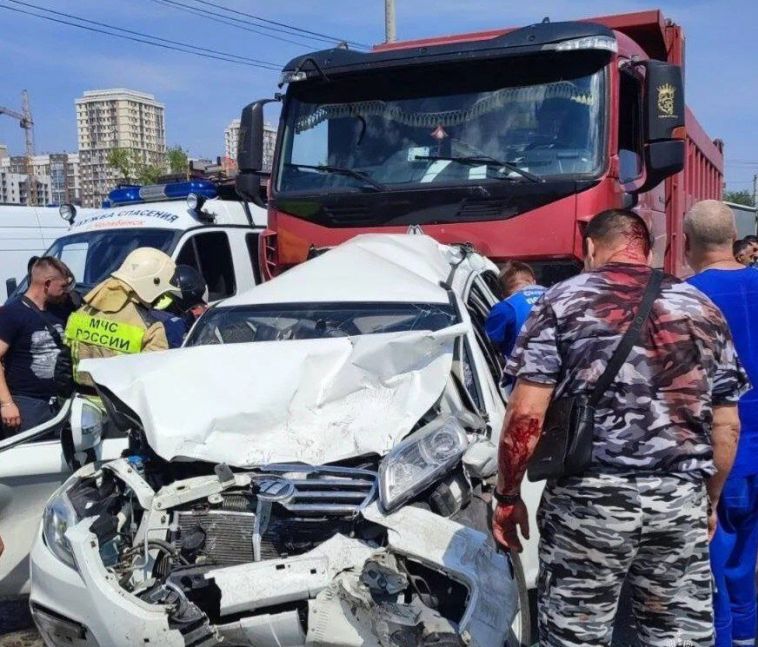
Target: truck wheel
[{"x": 521, "y": 629}]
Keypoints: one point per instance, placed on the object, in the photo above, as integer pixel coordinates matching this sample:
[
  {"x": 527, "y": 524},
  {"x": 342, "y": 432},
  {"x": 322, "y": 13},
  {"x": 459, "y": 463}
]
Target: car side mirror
[
  {"x": 664, "y": 122},
  {"x": 10, "y": 286},
  {"x": 250, "y": 152},
  {"x": 87, "y": 421}
]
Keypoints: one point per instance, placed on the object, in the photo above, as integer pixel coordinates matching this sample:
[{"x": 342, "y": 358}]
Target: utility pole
[
  {"x": 390, "y": 35},
  {"x": 755, "y": 189}
]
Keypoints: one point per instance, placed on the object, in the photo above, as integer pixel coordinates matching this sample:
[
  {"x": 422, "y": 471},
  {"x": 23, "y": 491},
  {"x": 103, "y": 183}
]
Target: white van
[
  {"x": 196, "y": 224},
  {"x": 26, "y": 232}
]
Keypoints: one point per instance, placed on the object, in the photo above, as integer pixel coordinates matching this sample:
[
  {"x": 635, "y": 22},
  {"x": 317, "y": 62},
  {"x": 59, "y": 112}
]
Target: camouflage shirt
[{"x": 657, "y": 415}]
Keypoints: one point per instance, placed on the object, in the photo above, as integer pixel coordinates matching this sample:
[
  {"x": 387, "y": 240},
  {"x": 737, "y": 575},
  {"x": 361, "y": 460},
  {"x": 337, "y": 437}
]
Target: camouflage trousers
[{"x": 596, "y": 531}]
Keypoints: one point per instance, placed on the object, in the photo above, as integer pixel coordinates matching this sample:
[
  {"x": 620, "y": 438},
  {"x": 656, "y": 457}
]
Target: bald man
[{"x": 710, "y": 232}]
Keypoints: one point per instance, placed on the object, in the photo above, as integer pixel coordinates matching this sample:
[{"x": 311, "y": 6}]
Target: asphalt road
[{"x": 16, "y": 627}]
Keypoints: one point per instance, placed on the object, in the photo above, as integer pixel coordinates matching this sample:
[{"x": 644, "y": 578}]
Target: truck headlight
[
  {"x": 420, "y": 460},
  {"x": 59, "y": 516}
]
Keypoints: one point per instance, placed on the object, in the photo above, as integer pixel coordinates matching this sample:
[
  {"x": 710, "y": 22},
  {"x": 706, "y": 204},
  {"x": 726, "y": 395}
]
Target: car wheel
[{"x": 521, "y": 629}]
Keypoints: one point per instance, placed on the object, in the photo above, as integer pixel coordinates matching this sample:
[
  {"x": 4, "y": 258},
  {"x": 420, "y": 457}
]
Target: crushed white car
[{"x": 314, "y": 468}]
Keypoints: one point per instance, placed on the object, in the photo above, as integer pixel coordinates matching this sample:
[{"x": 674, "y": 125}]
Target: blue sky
[{"x": 57, "y": 63}]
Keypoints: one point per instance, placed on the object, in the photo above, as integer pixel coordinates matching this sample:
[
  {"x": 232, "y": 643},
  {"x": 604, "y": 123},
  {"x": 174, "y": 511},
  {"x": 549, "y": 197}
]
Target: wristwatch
[{"x": 506, "y": 499}]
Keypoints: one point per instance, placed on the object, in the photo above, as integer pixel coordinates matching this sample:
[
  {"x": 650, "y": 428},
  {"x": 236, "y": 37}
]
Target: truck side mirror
[
  {"x": 10, "y": 286},
  {"x": 250, "y": 152},
  {"x": 664, "y": 122}
]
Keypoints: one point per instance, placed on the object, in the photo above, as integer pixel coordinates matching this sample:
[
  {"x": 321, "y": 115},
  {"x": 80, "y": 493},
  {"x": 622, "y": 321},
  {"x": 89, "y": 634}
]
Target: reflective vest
[{"x": 120, "y": 338}]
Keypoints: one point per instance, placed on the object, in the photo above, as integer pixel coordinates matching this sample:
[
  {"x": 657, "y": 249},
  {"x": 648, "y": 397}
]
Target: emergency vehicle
[{"x": 197, "y": 222}]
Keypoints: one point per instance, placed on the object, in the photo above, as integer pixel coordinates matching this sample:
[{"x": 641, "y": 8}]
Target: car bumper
[{"x": 88, "y": 607}]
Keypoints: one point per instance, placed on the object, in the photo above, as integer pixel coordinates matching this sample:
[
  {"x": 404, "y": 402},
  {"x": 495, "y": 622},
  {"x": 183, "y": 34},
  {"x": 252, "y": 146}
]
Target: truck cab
[{"x": 509, "y": 139}]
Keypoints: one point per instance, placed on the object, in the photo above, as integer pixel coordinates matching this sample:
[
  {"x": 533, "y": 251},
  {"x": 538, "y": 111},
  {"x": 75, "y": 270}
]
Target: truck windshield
[
  {"x": 93, "y": 255},
  {"x": 429, "y": 130},
  {"x": 283, "y": 322}
]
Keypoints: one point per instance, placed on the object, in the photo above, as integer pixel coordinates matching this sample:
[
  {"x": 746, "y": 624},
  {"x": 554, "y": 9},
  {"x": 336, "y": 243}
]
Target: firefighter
[
  {"x": 115, "y": 318},
  {"x": 179, "y": 314}
]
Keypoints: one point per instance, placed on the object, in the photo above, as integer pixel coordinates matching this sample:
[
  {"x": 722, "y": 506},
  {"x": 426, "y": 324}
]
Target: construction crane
[{"x": 27, "y": 123}]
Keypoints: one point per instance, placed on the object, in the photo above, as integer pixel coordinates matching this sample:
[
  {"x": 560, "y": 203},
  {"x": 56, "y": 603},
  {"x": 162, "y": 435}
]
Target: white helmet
[{"x": 149, "y": 272}]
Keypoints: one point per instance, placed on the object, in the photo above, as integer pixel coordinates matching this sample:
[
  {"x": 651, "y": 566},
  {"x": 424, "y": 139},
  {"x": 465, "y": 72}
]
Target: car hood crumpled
[{"x": 312, "y": 401}]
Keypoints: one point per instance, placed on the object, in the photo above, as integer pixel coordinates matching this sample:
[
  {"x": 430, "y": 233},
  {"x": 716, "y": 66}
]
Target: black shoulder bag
[
  {"x": 63, "y": 372},
  {"x": 565, "y": 444}
]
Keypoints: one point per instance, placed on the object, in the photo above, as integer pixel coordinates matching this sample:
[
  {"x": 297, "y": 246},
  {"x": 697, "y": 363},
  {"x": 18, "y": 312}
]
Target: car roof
[{"x": 401, "y": 268}]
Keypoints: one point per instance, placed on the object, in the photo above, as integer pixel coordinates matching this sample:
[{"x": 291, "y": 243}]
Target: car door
[
  {"x": 480, "y": 299},
  {"x": 32, "y": 467}
]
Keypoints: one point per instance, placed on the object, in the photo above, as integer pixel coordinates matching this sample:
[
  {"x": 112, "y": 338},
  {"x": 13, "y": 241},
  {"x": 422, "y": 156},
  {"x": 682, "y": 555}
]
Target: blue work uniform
[
  {"x": 735, "y": 546},
  {"x": 506, "y": 318},
  {"x": 176, "y": 327}
]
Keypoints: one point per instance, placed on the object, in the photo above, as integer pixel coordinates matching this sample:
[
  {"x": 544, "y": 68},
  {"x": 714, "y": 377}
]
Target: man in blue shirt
[
  {"x": 710, "y": 232},
  {"x": 507, "y": 317}
]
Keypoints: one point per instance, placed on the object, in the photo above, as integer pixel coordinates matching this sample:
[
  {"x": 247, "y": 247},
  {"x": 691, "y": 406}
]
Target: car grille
[
  {"x": 326, "y": 491},
  {"x": 297, "y": 521}
]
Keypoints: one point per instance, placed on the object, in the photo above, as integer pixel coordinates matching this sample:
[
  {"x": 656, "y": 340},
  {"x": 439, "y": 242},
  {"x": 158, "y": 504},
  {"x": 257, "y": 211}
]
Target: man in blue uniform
[
  {"x": 507, "y": 317},
  {"x": 709, "y": 234}
]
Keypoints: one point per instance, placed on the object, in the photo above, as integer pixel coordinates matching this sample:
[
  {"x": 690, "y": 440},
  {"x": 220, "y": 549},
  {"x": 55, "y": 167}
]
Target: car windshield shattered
[
  {"x": 366, "y": 136},
  {"x": 282, "y": 322}
]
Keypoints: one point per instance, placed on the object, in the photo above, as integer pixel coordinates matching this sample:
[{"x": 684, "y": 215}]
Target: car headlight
[
  {"x": 420, "y": 460},
  {"x": 59, "y": 516}
]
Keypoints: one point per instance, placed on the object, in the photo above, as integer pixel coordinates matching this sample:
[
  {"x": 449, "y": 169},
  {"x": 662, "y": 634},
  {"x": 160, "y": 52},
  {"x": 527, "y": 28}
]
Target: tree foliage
[
  {"x": 739, "y": 197},
  {"x": 130, "y": 167},
  {"x": 122, "y": 161},
  {"x": 177, "y": 159}
]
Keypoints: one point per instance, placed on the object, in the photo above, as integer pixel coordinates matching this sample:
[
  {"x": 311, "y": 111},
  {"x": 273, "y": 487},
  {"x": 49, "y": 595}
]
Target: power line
[
  {"x": 130, "y": 31},
  {"x": 224, "y": 20},
  {"x": 315, "y": 34},
  {"x": 180, "y": 47}
]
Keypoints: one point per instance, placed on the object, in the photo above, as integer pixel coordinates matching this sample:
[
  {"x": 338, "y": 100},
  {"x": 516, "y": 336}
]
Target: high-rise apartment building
[
  {"x": 59, "y": 170},
  {"x": 231, "y": 140},
  {"x": 108, "y": 119},
  {"x": 15, "y": 186}
]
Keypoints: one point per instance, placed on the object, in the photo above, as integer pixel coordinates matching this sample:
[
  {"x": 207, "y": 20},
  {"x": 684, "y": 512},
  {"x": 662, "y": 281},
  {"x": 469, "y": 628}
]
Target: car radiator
[{"x": 320, "y": 502}]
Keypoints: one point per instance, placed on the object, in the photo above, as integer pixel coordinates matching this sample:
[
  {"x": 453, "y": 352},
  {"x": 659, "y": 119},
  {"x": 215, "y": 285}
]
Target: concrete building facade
[
  {"x": 231, "y": 141},
  {"x": 60, "y": 169},
  {"x": 118, "y": 118},
  {"x": 14, "y": 188}
]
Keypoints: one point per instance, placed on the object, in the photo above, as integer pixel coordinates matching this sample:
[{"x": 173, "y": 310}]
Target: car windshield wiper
[
  {"x": 486, "y": 160},
  {"x": 349, "y": 172}
]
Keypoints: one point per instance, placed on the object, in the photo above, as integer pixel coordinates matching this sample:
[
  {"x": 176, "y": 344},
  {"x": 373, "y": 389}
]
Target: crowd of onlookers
[{"x": 663, "y": 492}]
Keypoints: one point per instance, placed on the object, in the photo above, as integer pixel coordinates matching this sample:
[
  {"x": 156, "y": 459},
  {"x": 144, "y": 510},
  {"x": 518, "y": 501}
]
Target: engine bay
[{"x": 278, "y": 554}]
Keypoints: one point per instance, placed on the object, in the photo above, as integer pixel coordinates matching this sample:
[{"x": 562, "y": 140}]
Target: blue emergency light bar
[{"x": 135, "y": 194}]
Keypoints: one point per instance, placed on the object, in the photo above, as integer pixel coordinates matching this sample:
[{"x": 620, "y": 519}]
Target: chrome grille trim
[{"x": 323, "y": 490}]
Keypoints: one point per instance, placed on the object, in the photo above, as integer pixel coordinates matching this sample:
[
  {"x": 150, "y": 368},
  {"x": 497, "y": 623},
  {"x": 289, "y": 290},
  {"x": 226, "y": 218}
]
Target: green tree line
[{"x": 132, "y": 169}]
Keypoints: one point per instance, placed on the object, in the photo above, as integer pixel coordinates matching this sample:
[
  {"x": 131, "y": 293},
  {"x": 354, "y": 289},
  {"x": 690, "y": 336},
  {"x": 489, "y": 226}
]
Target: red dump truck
[{"x": 510, "y": 140}]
